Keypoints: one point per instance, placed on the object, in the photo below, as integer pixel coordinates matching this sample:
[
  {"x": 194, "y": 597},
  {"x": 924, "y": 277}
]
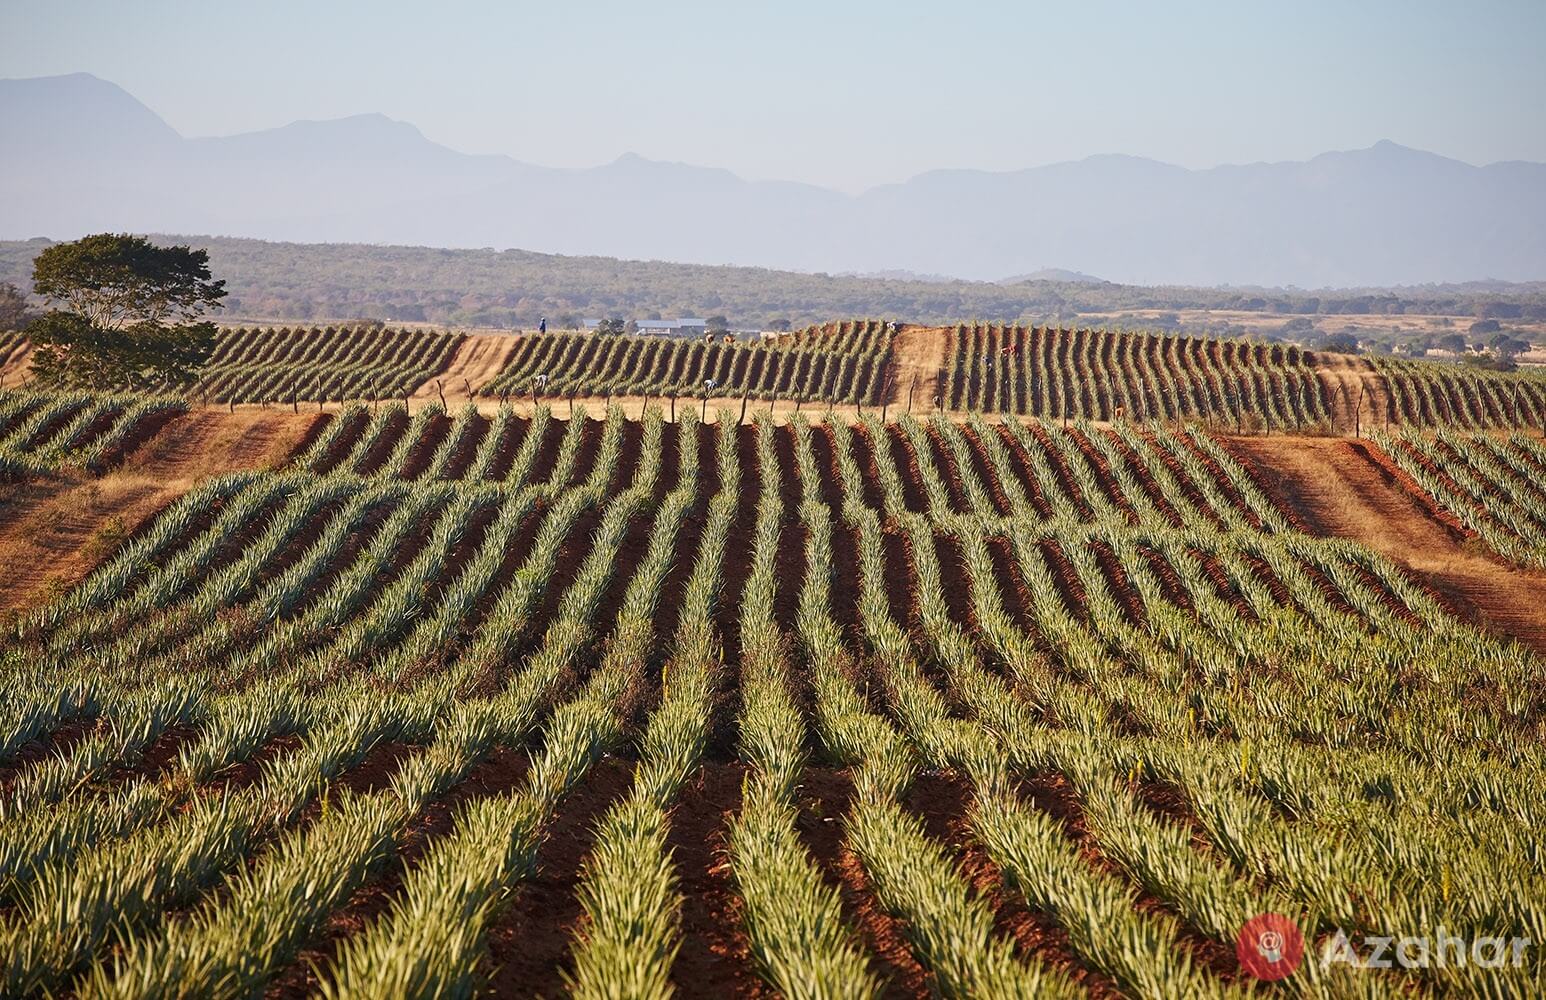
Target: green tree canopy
[{"x": 131, "y": 315}]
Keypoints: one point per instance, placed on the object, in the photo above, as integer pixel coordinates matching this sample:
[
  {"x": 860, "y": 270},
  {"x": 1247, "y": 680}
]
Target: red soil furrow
[
  {"x": 375, "y": 771},
  {"x": 955, "y": 581},
  {"x": 945, "y": 467},
  {"x": 344, "y": 443},
  {"x": 1060, "y": 468},
  {"x": 547, "y": 452},
  {"x": 898, "y": 580},
  {"x": 382, "y": 449},
  {"x": 529, "y": 939},
  {"x": 630, "y": 454},
  {"x": 1119, "y": 586},
  {"x": 790, "y": 557},
  {"x": 829, "y": 490},
  {"x": 509, "y": 443},
  {"x": 1070, "y": 590},
  {"x": 502, "y": 772},
  {"x": 425, "y": 447},
  {"x": 1011, "y": 588},
  {"x": 736, "y": 568},
  {"x": 1169, "y": 580},
  {"x": 1023, "y": 473},
  {"x": 845, "y": 573},
  {"x": 1222, "y": 480},
  {"x": 1053, "y": 794},
  {"x": 1109, "y": 486},
  {"x": 1223, "y": 587},
  {"x": 715, "y": 958},
  {"x": 146, "y": 429},
  {"x": 985, "y": 472},
  {"x": 901, "y": 456},
  {"x": 1269, "y": 579},
  {"x": 59, "y": 742},
  {"x": 1351, "y": 489},
  {"x": 572, "y": 553},
  {"x": 825, "y": 798},
  {"x": 943, "y": 803},
  {"x": 1146, "y": 480},
  {"x": 585, "y": 457},
  {"x": 463, "y": 549},
  {"x": 466, "y": 449}
]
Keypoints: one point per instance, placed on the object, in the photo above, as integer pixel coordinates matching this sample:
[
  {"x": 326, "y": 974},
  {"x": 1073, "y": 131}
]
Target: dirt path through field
[
  {"x": 917, "y": 353},
  {"x": 55, "y": 529},
  {"x": 1350, "y": 489},
  {"x": 477, "y": 360},
  {"x": 1345, "y": 377}
]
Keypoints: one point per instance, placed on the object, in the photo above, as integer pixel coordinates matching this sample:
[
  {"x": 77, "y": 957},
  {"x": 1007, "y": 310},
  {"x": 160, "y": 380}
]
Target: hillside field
[{"x": 871, "y": 661}]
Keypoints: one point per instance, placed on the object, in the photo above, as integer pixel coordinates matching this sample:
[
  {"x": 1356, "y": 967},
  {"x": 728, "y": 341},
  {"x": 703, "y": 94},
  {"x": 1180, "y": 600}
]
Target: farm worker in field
[{"x": 542, "y": 325}]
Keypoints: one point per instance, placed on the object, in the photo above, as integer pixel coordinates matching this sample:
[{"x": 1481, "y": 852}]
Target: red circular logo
[{"x": 1269, "y": 946}]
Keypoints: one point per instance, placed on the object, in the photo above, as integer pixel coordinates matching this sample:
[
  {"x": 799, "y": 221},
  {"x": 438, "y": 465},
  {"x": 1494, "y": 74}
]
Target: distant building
[{"x": 683, "y": 327}]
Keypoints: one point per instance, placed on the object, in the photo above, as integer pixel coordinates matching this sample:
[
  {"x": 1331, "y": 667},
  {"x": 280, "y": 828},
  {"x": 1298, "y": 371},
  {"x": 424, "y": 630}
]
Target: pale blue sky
[{"x": 841, "y": 94}]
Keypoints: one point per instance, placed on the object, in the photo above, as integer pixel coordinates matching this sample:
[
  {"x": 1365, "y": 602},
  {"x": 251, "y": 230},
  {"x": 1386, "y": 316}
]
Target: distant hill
[
  {"x": 310, "y": 282},
  {"x": 82, "y": 155},
  {"x": 1054, "y": 274}
]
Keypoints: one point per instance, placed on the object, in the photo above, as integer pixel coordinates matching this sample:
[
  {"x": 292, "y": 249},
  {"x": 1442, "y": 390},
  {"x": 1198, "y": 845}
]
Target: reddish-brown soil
[
  {"x": 425, "y": 447},
  {"x": 529, "y": 940},
  {"x": 55, "y": 529},
  {"x": 1351, "y": 489},
  {"x": 715, "y": 957},
  {"x": 501, "y": 773},
  {"x": 825, "y": 795}
]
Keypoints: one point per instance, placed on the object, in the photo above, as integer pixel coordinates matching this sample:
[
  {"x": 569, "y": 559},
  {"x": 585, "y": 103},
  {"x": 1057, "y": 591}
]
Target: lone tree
[{"x": 128, "y": 314}]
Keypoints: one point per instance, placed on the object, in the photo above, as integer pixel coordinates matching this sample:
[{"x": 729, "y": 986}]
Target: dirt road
[
  {"x": 55, "y": 529},
  {"x": 477, "y": 360},
  {"x": 917, "y": 355},
  {"x": 1350, "y": 489},
  {"x": 1357, "y": 391}
]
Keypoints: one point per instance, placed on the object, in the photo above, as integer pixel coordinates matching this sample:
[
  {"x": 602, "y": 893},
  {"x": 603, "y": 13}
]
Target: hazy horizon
[{"x": 867, "y": 96}]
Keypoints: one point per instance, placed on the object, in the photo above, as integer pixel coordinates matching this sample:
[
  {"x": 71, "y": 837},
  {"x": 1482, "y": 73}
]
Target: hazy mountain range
[{"x": 82, "y": 155}]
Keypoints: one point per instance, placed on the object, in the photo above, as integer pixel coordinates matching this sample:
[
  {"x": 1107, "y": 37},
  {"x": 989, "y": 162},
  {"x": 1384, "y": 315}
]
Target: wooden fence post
[
  {"x": 441, "y": 389},
  {"x": 744, "y": 397}
]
